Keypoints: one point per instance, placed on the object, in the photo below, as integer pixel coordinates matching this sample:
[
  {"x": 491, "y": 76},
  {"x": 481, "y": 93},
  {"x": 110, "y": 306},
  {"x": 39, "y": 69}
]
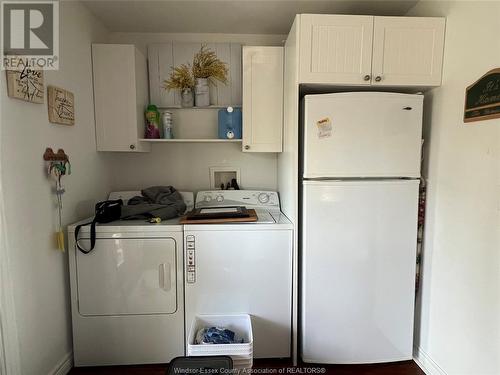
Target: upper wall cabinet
[
  {"x": 162, "y": 57},
  {"x": 120, "y": 97},
  {"x": 262, "y": 99},
  {"x": 367, "y": 50},
  {"x": 335, "y": 49},
  {"x": 408, "y": 51}
]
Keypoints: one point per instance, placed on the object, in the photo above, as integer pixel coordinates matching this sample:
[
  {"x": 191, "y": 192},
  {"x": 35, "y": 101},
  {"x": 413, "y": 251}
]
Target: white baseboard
[
  {"x": 426, "y": 363},
  {"x": 64, "y": 366}
]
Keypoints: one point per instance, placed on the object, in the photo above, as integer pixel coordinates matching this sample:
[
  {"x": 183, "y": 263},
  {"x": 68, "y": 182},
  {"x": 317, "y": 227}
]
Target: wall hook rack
[
  {"x": 50, "y": 155},
  {"x": 58, "y": 166}
]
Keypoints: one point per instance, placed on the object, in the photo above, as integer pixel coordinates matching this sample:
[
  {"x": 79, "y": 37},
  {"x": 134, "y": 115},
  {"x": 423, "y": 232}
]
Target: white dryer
[
  {"x": 127, "y": 294},
  {"x": 243, "y": 268}
]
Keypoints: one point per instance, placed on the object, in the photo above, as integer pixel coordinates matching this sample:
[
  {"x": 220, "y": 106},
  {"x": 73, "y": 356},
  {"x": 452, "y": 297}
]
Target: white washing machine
[
  {"x": 243, "y": 268},
  {"x": 127, "y": 294}
]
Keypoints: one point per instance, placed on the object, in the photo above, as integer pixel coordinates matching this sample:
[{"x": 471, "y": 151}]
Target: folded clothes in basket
[{"x": 215, "y": 335}]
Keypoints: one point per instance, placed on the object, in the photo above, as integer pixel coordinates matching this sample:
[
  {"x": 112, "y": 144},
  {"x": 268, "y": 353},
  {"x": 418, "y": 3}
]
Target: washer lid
[
  {"x": 263, "y": 217},
  {"x": 127, "y": 277}
]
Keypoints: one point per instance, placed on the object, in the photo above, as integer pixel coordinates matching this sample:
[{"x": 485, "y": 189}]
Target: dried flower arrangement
[
  {"x": 206, "y": 67},
  {"x": 180, "y": 78},
  {"x": 206, "y": 64}
]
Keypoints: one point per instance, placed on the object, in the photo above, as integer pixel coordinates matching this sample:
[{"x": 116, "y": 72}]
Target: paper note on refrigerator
[{"x": 324, "y": 128}]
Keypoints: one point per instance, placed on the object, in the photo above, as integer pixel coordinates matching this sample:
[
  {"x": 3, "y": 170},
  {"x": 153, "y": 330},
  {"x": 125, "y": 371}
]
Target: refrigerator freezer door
[
  {"x": 358, "y": 271},
  {"x": 362, "y": 134}
]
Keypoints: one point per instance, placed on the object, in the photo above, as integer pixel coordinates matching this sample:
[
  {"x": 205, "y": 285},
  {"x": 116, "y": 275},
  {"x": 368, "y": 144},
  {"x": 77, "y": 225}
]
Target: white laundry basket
[{"x": 241, "y": 324}]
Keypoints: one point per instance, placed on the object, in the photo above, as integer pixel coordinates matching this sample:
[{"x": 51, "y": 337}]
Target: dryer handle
[{"x": 165, "y": 275}]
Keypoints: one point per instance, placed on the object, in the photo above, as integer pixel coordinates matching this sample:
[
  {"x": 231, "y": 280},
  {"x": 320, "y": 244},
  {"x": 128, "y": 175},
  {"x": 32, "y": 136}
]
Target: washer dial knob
[
  {"x": 220, "y": 198},
  {"x": 263, "y": 198},
  {"x": 208, "y": 198}
]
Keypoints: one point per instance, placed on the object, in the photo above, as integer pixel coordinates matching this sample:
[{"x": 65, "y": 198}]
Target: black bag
[{"x": 105, "y": 212}]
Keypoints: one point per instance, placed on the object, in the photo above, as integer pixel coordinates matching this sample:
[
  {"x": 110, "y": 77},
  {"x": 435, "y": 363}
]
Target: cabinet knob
[
  {"x": 132, "y": 147},
  {"x": 367, "y": 77},
  {"x": 378, "y": 78},
  {"x": 247, "y": 147}
]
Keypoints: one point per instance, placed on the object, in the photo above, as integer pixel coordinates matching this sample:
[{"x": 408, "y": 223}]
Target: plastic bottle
[
  {"x": 166, "y": 120},
  {"x": 152, "y": 122},
  {"x": 229, "y": 123}
]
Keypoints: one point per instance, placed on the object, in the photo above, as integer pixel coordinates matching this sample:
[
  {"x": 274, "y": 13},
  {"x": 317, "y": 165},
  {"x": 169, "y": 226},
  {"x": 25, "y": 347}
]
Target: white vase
[
  {"x": 202, "y": 93},
  {"x": 186, "y": 98}
]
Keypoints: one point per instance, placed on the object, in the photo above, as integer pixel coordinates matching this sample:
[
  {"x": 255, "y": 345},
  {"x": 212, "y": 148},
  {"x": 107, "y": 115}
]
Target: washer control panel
[
  {"x": 247, "y": 198},
  {"x": 190, "y": 260}
]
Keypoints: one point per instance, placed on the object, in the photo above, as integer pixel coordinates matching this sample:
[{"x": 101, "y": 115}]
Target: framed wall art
[
  {"x": 482, "y": 98},
  {"x": 26, "y": 84},
  {"x": 61, "y": 106}
]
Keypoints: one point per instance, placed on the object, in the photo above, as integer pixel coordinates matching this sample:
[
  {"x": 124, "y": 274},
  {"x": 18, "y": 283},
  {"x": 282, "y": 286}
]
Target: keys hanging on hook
[{"x": 58, "y": 169}]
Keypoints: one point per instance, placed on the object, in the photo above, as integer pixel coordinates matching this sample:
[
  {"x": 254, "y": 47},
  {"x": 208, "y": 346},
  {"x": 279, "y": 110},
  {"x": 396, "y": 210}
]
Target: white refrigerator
[{"x": 360, "y": 180}]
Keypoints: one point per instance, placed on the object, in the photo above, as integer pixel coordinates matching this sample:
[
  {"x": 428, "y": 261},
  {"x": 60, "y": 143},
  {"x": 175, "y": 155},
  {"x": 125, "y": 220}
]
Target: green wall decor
[{"x": 482, "y": 98}]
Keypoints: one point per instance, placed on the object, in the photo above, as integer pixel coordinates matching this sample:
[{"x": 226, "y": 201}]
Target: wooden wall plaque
[
  {"x": 482, "y": 98},
  {"x": 61, "y": 106},
  {"x": 26, "y": 84}
]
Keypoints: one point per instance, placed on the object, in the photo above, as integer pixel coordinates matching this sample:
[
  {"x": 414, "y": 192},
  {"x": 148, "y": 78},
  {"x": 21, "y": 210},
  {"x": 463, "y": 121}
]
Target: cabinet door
[
  {"x": 119, "y": 73},
  {"x": 408, "y": 51},
  {"x": 262, "y": 99},
  {"x": 335, "y": 49}
]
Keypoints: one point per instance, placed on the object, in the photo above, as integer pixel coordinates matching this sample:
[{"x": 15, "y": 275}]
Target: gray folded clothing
[{"x": 157, "y": 201}]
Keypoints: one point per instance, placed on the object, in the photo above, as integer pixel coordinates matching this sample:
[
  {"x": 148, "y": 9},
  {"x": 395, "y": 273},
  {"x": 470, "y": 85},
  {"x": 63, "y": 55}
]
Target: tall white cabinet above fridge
[{"x": 360, "y": 181}]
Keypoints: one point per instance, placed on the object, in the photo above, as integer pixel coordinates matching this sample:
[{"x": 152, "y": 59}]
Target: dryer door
[{"x": 123, "y": 276}]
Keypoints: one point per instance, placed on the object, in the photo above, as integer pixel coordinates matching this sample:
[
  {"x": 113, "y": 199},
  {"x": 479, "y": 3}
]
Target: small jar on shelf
[
  {"x": 166, "y": 120},
  {"x": 187, "y": 100}
]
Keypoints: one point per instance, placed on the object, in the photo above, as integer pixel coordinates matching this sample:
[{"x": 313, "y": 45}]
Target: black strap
[{"x": 92, "y": 236}]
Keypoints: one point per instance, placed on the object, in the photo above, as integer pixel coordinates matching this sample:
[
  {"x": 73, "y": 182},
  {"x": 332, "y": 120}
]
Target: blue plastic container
[{"x": 230, "y": 123}]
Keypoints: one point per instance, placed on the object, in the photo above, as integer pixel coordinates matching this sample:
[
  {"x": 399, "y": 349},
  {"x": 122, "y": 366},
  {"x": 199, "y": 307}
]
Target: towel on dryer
[{"x": 164, "y": 202}]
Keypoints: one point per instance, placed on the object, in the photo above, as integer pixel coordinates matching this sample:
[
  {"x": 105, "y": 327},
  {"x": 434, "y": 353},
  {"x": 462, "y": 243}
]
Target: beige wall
[
  {"x": 39, "y": 272},
  {"x": 458, "y": 315},
  {"x": 186, "y": 166}
]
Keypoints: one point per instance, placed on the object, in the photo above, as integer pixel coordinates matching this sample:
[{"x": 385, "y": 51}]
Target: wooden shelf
[{"x": 192, "y": 140}]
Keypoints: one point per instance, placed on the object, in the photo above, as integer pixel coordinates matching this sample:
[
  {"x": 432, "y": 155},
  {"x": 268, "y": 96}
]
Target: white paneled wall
[{"x": 162, "y": 57}]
